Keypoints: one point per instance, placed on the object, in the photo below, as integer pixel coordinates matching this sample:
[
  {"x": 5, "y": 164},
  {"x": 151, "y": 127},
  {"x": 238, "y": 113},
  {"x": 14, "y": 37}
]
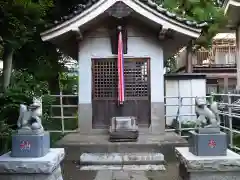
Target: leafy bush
[
  {"x": 68, "y": 82},
  {"x": 22, "y": 89}
]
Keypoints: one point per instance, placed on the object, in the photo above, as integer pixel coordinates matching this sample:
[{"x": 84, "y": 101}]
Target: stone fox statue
[
  {"x": 206, "y": 117},
  {"x": 29, "y": 120}
]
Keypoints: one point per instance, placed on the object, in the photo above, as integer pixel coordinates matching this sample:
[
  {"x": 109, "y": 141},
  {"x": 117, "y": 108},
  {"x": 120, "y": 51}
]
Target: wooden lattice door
[{"x": 104, "y": 91}]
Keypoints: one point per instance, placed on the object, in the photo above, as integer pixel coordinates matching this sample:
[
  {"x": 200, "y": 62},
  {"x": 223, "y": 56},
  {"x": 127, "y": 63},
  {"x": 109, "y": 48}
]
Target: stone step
[
  {"x": 122, "y": 159},
  {"x": 167, "y": 149},
  {"x": 76, "y": 144},
  {"x": 123, "y": 167}
]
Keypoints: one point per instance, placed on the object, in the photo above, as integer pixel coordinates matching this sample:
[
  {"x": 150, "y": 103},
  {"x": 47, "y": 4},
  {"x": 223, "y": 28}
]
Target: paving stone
[
  {"x": 139, "y": 175},
  {"x": 120, "y": 175},
  {"x": 104, "y": 175}
]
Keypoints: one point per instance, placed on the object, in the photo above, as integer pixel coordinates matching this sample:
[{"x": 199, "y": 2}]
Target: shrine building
[{"x": 149, "y": 35}]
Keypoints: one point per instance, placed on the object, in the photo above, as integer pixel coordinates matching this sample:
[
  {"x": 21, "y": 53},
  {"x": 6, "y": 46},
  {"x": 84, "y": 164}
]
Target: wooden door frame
[{"x": 148, "y": 60}]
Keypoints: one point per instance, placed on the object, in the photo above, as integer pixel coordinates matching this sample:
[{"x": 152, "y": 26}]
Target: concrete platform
[{"x": 75, "y": 144}]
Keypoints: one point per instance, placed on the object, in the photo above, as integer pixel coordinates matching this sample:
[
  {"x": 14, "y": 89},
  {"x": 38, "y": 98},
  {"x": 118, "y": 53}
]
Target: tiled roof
[
  {"x": 160, "y": 9},
  {"x": 78, "y": 9}
]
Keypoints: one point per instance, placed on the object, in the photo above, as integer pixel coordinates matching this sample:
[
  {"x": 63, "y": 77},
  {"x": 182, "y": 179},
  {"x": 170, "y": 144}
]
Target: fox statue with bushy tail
[{"x": 206, "y": 116}]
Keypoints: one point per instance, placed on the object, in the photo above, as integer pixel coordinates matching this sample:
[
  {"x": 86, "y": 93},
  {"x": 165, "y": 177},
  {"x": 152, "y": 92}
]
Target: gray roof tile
[{"x": 78, "y": 9}]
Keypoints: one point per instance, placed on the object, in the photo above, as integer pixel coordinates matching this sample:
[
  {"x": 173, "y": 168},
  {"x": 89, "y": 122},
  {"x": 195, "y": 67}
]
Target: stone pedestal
[
  {"x": 43, "y": 168},
  {"x": 193, "y": 167},
  {"x": 208, "y": 143},
  {"x": 30, "y": 145}
]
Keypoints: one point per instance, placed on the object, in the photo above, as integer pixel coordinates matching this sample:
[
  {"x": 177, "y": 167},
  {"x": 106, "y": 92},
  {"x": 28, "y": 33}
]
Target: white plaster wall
[
  {"x": 1, "y": 65},
  {"x": 183, "y": 88},
  {"x": 97, "y": 45},
  {"x": 172, "y": 90}
]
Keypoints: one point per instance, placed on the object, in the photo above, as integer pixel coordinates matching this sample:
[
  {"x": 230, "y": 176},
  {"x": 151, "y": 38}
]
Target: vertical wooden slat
[{"x": 214, "y": 55}]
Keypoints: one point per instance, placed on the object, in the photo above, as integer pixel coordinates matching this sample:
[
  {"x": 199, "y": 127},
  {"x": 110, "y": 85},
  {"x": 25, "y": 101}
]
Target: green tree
[
  {"x": 18, "y": 22},
  {"x": 41, "y": 58},
  {"x": 210, "y": 11}
]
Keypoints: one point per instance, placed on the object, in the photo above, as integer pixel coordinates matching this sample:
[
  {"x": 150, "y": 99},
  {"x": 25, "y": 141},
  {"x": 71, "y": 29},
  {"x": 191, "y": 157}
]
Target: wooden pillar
[
  {"x": 238, "y": 56},
  {"x": 225, "y": 84},
  {"x": 189, "y": 64}
]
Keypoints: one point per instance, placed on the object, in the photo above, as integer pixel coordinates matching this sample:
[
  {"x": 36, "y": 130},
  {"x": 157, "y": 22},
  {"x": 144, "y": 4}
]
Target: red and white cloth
[{"x": 120, "y": 70}]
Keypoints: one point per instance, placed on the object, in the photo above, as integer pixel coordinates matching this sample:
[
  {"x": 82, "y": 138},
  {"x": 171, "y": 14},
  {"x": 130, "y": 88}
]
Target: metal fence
[
  {"x": 229, "y": 111},
  {"x": 178, "y": 114}
]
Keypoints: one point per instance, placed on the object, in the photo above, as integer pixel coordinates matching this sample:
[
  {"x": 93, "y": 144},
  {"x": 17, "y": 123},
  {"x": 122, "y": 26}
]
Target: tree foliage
[
  {"x": 20, "y": 19},
  {"x": 209, "y": 11},
  {"x": 36, "y": 65},
  {"x": 22, "y": 89}
]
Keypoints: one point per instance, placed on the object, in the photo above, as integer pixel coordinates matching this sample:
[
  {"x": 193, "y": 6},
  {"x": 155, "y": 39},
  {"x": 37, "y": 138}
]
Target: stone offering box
[
  {"x": 192, "y": 167},
  {"x": 30, "y": 145},
  {"x": 123, "y": 129},
  {"x": 208, "y": 144}
]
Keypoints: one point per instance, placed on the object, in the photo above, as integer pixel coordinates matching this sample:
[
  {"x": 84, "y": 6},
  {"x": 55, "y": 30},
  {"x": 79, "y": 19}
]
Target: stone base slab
[
  {"x": 55, "y": 175},
  {"x": 43, "y": 165},
  {"x": 193, "y": 167},
  {"x": 30, "y": 145},
  {"x": 208, "y": 144}
]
